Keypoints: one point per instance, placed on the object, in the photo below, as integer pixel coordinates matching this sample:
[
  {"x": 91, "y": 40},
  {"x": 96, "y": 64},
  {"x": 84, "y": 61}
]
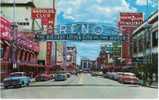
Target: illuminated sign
[
  {"x": 129, "y": 21},
  {"x": 79, "y": 37},
  {"x": 87, "y": 28},
  {"x": 48, "y": 54},
  {"x": 42, "y": 13}
]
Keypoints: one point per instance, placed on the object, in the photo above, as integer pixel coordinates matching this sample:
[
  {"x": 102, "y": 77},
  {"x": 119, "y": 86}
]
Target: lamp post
[
  {"x": 14, "y": 29},
  {"x": 13, "y": 44}
]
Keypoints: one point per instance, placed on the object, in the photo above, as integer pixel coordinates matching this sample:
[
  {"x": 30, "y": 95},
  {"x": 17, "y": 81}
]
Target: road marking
[{"x": 81, "y": 79}]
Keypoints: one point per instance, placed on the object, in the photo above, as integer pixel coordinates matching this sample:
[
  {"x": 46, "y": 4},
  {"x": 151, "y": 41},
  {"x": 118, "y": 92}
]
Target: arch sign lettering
[{"x": 84, "y": 32}]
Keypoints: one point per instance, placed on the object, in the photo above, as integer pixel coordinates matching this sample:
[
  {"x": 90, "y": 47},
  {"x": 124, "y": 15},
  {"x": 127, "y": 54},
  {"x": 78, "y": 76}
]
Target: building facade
[
  {"x": 25, "y": 54},
  {"x": 128, "y": 21},
  {"x": 26, "y": 48},
  {"x": 145, "y": 47},
  {"x": 109, "y": 57},
  {"x": 88, "y": 65},
  {"x": 71, "y": 54},
  {"x": 21, "y": 15}
]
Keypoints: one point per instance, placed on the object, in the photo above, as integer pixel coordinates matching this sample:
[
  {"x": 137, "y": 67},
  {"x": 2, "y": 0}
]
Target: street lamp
[{"x": 14, "y": 29}]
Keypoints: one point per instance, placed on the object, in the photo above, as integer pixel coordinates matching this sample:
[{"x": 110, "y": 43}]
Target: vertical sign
[
  {"x": 128, "y": 22},
  {"x": 48, "y": 54},
  {"x": 47, "y": 16}
]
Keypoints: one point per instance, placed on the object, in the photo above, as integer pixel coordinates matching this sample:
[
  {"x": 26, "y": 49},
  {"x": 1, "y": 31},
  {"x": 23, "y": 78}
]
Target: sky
[{"x": 107, "y": 11}]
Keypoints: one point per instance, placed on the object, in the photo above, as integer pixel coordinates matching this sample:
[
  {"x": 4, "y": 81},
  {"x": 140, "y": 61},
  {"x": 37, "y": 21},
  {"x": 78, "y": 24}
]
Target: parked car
[
  {"x": 16, "y": 79},
  {"x": 60, "y": 77},
  {"x": 129, "y": 78},
  {"x": 114, "y": 75},
  {"x": 109, "y": 75},
  {"x": 94, "y": 73},
  {"x": 43, "y": 77},
  {"x": 119, "y": 74},
  {"x": 100, "y": 73}
]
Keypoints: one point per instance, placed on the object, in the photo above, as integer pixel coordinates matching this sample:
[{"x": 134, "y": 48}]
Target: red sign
[
  {"x": 127, "y": 23},
  {"x": 49, "y": 51},
  {"x": 131, "y": 19},
  {"x": 44, "y": 21},
  {"x": 5, "y": 28},
  {"x": 43, "y": 13},
  {"x": 131, "y": 16}
]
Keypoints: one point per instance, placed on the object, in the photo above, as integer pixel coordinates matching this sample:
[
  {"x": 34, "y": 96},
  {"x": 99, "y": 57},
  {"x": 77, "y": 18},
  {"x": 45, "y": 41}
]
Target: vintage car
[
  {"x": 16, "y": 79},
  {"x": 43, "y": 77},
  {"x": 60, "y": 76},
  {"x": 129, "y": 78}
]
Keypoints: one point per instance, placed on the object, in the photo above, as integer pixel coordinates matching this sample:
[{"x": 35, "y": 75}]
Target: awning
[{"x": 7, "y": 43}]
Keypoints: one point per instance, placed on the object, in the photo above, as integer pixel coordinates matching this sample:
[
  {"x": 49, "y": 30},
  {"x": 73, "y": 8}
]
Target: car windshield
[
  {"x": 131, "y": 75},
  {"x": 16, "y": 74}
]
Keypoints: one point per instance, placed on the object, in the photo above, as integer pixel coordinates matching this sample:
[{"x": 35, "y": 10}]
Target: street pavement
[{"x": 81, "y": 86}]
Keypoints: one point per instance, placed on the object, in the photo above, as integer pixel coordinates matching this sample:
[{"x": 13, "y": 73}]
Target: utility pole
[
  {"x": 14, "y": 33},
  {"x": 64, "y": 55},
  {"x": 55, "y": 43}
]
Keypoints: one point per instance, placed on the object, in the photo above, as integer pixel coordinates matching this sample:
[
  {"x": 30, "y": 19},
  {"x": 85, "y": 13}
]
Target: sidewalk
[
  {"x": 153, "y": 85},
  {"x": 33, "y": 80}
]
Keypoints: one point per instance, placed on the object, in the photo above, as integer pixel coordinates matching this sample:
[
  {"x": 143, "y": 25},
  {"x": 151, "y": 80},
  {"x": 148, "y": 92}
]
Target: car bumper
[
  {"x": 11, "y": 84},
  {"x": 60, "y": 79},
  {"x": 130, "y": 82}
]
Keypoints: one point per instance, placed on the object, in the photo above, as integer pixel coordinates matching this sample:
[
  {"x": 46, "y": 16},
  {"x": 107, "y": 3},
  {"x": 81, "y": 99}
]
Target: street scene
[
  {"x": 79, "y": 49},
  {"x": 83, "y": 86}
]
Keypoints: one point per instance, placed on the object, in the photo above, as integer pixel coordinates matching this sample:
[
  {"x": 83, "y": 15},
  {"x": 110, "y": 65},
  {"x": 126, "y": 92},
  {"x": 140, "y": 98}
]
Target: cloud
[
  {"x": 92, "y": 10},
  {"x": 152, "y": 3},
  {"x": 141, "y": 2}
]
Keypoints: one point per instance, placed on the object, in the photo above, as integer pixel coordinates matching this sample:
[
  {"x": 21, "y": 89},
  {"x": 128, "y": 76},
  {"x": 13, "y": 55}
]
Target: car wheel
[
  {"x": 6, "y": 87},
  {"x": 28, "y": 83},
  {"x": 19, "y": 86},
  {"x": 120, "y": 81},
  {"x": 22, "y": 84}
]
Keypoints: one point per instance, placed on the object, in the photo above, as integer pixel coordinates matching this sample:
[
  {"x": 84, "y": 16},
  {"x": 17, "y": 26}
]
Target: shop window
[
  {"x": 155, "y": 39},
  {"x": 27, "y": 23},
  {"x": 41, "y": 62},
  {"x": 21, "y": 55},
  {"x": 1, "y": 53},
  {"x": 23, "y": 23},
  {"x": 135, "y": 46},
  {"x": 141, "y": 44},
  {"x": 148, "y": 42}
]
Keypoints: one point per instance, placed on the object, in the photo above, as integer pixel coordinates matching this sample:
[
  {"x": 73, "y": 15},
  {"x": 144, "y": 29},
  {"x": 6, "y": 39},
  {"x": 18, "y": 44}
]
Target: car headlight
[
  {"x": 18, "y": 80},
  {"x": 6, "y": 79}
]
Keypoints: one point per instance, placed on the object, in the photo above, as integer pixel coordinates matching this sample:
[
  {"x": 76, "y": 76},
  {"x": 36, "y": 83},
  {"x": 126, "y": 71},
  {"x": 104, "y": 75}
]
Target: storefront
[
  {"x": 26, "y": 51},
  {"x": 145, "y": 48}
]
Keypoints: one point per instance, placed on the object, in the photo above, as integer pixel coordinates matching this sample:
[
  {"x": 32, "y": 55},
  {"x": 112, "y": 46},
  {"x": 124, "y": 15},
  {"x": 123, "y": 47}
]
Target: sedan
[
  {"x": 43, "y": 77},
  {"x": 129, "y": 78},
  {"x": 17, "y": 79},
  {"x": 60, "y": 77}
]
